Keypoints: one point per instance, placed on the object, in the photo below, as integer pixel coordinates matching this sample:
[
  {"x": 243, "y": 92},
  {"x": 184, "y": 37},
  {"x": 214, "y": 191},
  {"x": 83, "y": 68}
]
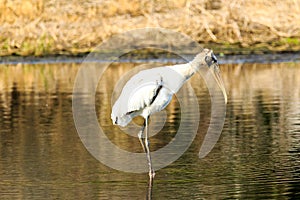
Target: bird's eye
[
  {"x": 214, "y": 58},
  {"x": 209, "y": 61}
]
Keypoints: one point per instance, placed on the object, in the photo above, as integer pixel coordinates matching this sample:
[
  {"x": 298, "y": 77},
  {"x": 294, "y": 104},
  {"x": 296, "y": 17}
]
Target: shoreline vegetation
[{"x": 55, "y": 27}]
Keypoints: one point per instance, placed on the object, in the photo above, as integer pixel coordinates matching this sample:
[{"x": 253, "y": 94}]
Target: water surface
[{"x": 257, "y": 155}]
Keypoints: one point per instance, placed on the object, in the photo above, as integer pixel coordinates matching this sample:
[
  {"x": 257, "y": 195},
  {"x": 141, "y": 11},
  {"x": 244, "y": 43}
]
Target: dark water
[{"x": 257, "y": 155}]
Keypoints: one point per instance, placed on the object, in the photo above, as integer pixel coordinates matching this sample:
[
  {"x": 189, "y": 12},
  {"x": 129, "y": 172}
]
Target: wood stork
[{"x": 151, "y": 90}]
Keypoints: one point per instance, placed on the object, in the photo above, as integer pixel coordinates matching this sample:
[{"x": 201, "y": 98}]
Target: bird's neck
[
  {"x": 191, "y": 70},
  {"x": 195, "y": 65},
  {"x": 186, "y": 70}
]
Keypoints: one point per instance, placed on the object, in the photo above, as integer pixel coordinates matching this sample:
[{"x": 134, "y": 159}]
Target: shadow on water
[{"x": 258, "y": 154}]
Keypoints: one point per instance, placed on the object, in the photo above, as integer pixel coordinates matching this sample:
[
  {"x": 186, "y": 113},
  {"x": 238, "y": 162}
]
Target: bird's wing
[{"x": 140, "y": 91}]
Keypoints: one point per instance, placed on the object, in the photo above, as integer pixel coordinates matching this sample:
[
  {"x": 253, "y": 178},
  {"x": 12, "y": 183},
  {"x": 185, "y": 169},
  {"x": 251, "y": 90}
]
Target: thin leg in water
[
  {"x": 151, "y": 171},
  {"x": 149, "y": 193}
]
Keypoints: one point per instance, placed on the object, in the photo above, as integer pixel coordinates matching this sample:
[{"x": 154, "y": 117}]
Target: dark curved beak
[{"x": 218, "y": 78}]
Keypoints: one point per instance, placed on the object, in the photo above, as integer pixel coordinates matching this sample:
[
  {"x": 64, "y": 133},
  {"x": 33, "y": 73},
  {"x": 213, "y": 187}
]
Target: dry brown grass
[{"x": 39, "y": 27}]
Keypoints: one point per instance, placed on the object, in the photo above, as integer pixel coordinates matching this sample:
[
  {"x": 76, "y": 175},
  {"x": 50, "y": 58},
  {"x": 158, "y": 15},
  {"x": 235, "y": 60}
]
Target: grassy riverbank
[{"x": 45, "y": 27}]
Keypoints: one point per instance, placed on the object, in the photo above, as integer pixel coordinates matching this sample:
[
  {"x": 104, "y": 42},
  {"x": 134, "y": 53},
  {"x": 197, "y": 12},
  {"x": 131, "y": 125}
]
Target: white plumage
[{"x": 149, "y": 91}]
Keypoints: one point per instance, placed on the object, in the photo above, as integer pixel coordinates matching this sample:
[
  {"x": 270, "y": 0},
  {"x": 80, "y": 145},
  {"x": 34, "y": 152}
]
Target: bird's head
[{"x": 206, "y": 58}]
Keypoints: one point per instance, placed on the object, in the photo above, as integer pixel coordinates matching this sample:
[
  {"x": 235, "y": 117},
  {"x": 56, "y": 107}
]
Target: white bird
[{"x": 151, "y": 90}]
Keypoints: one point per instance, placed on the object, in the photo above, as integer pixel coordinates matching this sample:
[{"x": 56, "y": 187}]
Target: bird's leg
[
  {"x": 140, "y": 135},
  {"x": 149, "y": 194},
  {"x": 151, "y": 171}
]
